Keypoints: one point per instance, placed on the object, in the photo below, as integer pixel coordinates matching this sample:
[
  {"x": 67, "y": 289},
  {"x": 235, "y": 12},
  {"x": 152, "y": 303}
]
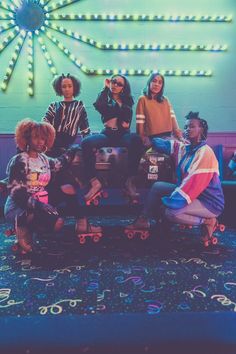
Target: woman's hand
[
  {"x": 107, "y": 83},
  {"x": 125, "y": 125}
]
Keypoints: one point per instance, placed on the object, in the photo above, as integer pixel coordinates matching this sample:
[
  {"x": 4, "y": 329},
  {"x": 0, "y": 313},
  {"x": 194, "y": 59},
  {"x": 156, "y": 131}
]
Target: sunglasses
[{"x": 118, "y": 83}]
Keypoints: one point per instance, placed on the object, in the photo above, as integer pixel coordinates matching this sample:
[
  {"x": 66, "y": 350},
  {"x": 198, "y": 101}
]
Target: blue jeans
[{"x": 113, "y": 138}]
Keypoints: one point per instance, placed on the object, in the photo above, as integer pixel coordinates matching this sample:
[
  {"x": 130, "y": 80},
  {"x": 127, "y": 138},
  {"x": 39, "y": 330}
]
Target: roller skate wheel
[
  {"x": 214, "y": 240},
  {"x": 82, "y": 240},
  {"x": 96, "y": 202},
  {"x": 144, "y": 235},
  {"x": 9, "y": 232},
  {"x": 96, "y": 238},
  {"x": 130, "y": 235},
  {"x": 221, "y": 227},
  {"x": 15, "y": 247}
]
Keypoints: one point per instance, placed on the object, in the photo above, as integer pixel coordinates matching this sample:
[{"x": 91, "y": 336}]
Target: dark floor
[{"x": 156, "y": 279}]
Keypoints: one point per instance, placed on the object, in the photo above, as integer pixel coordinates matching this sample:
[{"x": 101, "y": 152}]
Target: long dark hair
[
  {"x": 125, "y": 95},
  {"x": 147, "y": 91}
]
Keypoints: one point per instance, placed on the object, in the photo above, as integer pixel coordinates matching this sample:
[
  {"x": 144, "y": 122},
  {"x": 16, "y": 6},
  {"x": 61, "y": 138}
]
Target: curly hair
[
  {"x": 58, "y": 81},
  {"x": 202, "y": 122},
  {"x": 28, "y": 127},
  {"x": 147, "y": 90}
]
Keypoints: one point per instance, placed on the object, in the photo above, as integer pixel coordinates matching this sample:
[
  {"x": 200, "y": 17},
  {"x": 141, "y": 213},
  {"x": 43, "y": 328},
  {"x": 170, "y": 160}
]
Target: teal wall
[{"x": 214, "y": 97}]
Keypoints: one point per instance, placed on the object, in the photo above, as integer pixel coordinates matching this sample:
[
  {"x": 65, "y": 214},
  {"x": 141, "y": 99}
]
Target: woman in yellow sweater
[{"x": 155, "y": 116}]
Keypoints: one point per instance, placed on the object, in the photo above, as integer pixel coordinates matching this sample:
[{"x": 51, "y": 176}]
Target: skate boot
[
  {"x": 139, "y": 228},
  {"x": 84, "y": 229},
  {"x": 95, "y": 193},
  {"x": 208, "y": 227},
  {"x": 131, "y": 191},
  {"x": 23, "y": 236}
]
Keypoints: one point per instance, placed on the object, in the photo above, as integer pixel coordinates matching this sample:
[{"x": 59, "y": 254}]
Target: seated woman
[
  {"x": 155, "y": 116},
  {"x": 29, "y": 173},
  {"x": 67, "y": 117},
  {"x": 114, "y": 104},
  {"x": 198, "y": 197}
]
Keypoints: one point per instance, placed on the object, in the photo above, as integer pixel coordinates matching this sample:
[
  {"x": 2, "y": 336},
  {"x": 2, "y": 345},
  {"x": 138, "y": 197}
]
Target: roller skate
[
  {"x": 95, "y": 193},
  {"x": 139, "y": 228},
  {"x": 130, "y": 191},
  {"x": 84, "y": 229},
  {"x": 208, "y": 227}
]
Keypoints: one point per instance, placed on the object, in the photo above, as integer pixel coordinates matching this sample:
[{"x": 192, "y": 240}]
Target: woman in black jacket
[{"x": 114, "y": 103}]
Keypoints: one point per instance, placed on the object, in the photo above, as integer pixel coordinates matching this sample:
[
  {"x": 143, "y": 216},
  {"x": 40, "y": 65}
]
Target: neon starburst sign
[{"x": 24, "y": 21}]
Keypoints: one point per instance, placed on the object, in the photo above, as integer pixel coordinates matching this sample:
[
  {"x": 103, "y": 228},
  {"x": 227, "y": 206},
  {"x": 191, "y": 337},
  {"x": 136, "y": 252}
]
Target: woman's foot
[
  {"x": 84, "y": 229},
  {"x": 83, "y": 226},
  {"x": 96, "y": 187},
  {"x": 141, "y": 223},
  {"x": 208, "y": 227}
]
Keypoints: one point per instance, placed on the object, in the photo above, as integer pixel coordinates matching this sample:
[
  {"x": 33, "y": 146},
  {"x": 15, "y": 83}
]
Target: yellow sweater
[{"x": 157, "y": 117}]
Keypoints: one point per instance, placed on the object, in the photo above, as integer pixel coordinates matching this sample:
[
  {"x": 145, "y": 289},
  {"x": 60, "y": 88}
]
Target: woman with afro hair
[{"x": 29, "y": 173}]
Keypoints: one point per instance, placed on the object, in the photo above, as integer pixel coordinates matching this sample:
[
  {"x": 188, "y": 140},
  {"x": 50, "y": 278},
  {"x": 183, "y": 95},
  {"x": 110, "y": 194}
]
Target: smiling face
[
  {"x": 156, "y": 85},
  {"x": 117, "y": 84},
  {"x": 193, "y": 130},
  {"x": 67, "y": 89}
]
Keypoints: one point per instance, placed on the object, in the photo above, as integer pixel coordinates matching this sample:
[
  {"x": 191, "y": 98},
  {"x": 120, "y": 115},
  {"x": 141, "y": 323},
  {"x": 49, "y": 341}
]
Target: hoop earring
[{"x": 45, "y": 149}]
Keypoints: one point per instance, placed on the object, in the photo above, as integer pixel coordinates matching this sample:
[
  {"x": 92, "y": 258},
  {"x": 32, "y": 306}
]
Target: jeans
[
  {"x": 153, "y": 201},
  {"x": 113, "y": 138}
]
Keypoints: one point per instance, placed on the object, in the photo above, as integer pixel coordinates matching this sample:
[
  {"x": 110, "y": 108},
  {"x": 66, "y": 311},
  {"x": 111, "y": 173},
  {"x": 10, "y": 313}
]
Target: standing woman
[
  {"x": 114, "y": 103},
  {"x": 155, "y": 116}
]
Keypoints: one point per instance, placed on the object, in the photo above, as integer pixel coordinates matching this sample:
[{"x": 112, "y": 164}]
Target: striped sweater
[
  {"x": 197, "y": 174},
  {"x": 67, "y": 118}
]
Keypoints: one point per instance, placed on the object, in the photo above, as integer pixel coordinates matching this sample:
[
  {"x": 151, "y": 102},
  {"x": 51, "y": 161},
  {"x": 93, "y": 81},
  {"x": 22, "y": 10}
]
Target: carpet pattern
[{"x": 118, "y": 275}]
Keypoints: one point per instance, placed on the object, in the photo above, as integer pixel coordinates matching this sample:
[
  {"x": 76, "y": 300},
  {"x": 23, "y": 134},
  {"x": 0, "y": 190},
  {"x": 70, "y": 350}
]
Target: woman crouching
[{"x": 29, "y": 172}]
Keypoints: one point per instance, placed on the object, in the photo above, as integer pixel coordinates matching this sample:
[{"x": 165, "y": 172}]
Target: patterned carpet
[{"x": 118, "y": 275}]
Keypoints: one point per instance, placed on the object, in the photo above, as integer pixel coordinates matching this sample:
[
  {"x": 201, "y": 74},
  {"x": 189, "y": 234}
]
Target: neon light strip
[
  {"x": 138, "y": 46},
  {"x": 8, "y": 39},
  {"x": 5, "y": 6},
  {"x": 30, "y": 89},
  {"x": 128, "y": 17},
  {"x": 13, "y": 61},
  {"x": 47, "y": 56},
  {"x": 133, "y": 72},
  {"x": 7, "y": 16},
  {"x": 59, "y": 5},
  {"x": 7, "y": 26}
]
